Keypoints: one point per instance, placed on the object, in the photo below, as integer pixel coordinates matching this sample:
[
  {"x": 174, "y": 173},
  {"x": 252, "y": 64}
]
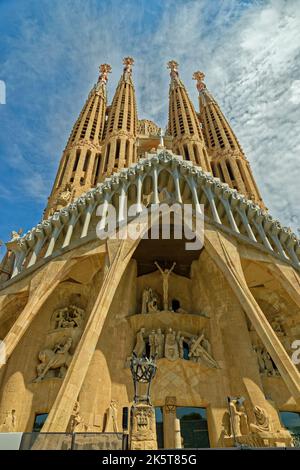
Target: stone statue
[
  {"x": 238, "y": 418},
  {"x": 111, "y": 424},
  {"x": 200, "y": 351},
  {"x": 265, "y": 363},
  {"x": 149, "y": 301},
  {"x": 53, "y": 359},
  {"x": 145, "y": 299},
  {"x": 15, "y": 235},
  {"x": 10, "y": 422},
  {"x": 159, "y": 344},
  {"x": 171, "y": 346},
  {"x": 69, "y": 317},
  {"x": 152, "y": 344},
  {"x": 140, "y": 346},
  {"x": 64, "y": 196},
  {"x": 165, "y": 275},
  {"x": 260, "y": 359},
  {"x": 262, "y": 421},
  {"x": 180, "y": 340},
  {"x": 153, "y": 303},
  {"x": 76, "y": 421},
  {"x": 276, "y": 324}
]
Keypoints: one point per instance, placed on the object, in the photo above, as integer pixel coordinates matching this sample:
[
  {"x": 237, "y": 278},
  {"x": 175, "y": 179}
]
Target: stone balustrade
[{"x": 223, "y": 206}]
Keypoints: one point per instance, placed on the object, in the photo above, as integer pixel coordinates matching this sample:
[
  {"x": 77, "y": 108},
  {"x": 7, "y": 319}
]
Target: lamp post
[
  {"x": 142, "y": 416},
  {"x": 143, "y": 371}
]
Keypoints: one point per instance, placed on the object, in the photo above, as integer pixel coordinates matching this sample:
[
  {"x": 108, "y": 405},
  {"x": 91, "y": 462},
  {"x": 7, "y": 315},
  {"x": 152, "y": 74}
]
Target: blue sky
[{"x": 49, "y": 58}]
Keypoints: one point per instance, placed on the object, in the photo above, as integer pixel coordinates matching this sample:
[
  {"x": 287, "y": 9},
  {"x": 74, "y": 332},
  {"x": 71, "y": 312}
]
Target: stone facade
[{"x": 219, "y": 320}]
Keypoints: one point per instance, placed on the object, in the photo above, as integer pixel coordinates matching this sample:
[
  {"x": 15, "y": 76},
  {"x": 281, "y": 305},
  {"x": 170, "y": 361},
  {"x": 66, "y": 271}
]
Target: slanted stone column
[{"x": 225, "y": 254}]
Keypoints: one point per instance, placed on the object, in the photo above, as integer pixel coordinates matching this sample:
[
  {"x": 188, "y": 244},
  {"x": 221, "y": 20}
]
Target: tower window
[
  {"x": 186, "y": 152},
  {"x": 76, "y": 160},
  {"x": 127, "y": 152},
  {"x": 96, "y": 168},
  {"x": 231, "y": 175},
  {"x": 107, "y": 158},
  {"x": 87, "y": 160}
]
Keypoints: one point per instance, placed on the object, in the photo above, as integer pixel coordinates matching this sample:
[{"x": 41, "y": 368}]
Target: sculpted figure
[
  {"x": 269, "y": 366},
  {"x": 111, "y": 424},
  {"x": 238, "y": 418},
  {"x": 171, "y": 346},
  {"x": 153, "y": 303},
  {"x": 69, "y": 317},
  {"x": 165, "y": 277},
  {"x": 10, "y": 422},
  {"x": 140, "y": 346},
  {"x": 145, "y": 299},
  {"x": 149, "y": 301},
  {"x": 262, "y": 421},
  {"x": 199, "y": 351},
  {"x": 15, "y": 235},
  {"x": 76, "y": 420},
  {"x": 56, "y": 358},
  {"x": 260, "y": 359},
  {"x": 65, "y": 195},
  {"x": 152, "y": 343},
  {"x": 180, "y": 340},
  {"x": 159, "y": 344}
]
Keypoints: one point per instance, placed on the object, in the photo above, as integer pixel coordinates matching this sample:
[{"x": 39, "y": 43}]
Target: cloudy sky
[{"x": 49, "y": 58}]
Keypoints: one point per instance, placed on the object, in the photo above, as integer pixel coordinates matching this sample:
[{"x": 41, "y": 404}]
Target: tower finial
[
  {"x": 104, "y": 70},
  {"x": 173, "y": 66},
  {"x": 199, "y": 76},
  {"x": 128, "y": 63}
]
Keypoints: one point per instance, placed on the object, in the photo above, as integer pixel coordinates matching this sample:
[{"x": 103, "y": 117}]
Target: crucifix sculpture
[{"x": 165, "y": 275}]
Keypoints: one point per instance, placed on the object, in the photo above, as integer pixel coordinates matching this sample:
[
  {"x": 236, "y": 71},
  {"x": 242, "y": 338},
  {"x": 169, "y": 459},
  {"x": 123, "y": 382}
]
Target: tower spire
[
  {"x": 119, "y": 146},
  {"x": 228, "y": 161},
  {"x": 79, "y": 165},
  {"x": 183, "y": 123}
]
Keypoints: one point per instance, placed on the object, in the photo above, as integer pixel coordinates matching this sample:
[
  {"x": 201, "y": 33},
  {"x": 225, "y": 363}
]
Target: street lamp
[
  {"x": 143, "y": 369},
  {"x": 142, "y": 415}
]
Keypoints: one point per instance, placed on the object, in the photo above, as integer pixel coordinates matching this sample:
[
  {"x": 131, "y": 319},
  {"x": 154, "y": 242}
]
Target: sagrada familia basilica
[{"x": 86, "y": 321}]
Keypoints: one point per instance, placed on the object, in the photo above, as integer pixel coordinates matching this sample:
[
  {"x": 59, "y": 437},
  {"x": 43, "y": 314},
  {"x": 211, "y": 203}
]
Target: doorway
[{"x": 193, "y": 427}]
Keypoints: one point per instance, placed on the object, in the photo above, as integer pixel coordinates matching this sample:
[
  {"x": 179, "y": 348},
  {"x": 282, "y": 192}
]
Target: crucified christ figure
[{"x": 165, "y": 275}]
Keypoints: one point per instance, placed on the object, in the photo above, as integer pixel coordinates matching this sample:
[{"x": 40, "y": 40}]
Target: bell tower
[
  {"x": 79, "y": 166},
  {"x": 119, "y": 145},
  {"x": 183, "y": 124},
  {"x": 228, "y": 161}
]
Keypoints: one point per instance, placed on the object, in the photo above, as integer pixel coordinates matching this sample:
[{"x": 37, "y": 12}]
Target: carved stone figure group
[
  {"x": 237, "y": 426},
  {"x": 265, "y": 363},
  {"x": 69, "y": 317},
  {"x": 54, "y": 362},
  {"x": 174, "y": 345}
]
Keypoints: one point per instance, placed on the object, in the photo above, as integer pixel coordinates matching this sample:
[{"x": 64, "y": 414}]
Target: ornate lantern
[{"x": 143, "y": 370}]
